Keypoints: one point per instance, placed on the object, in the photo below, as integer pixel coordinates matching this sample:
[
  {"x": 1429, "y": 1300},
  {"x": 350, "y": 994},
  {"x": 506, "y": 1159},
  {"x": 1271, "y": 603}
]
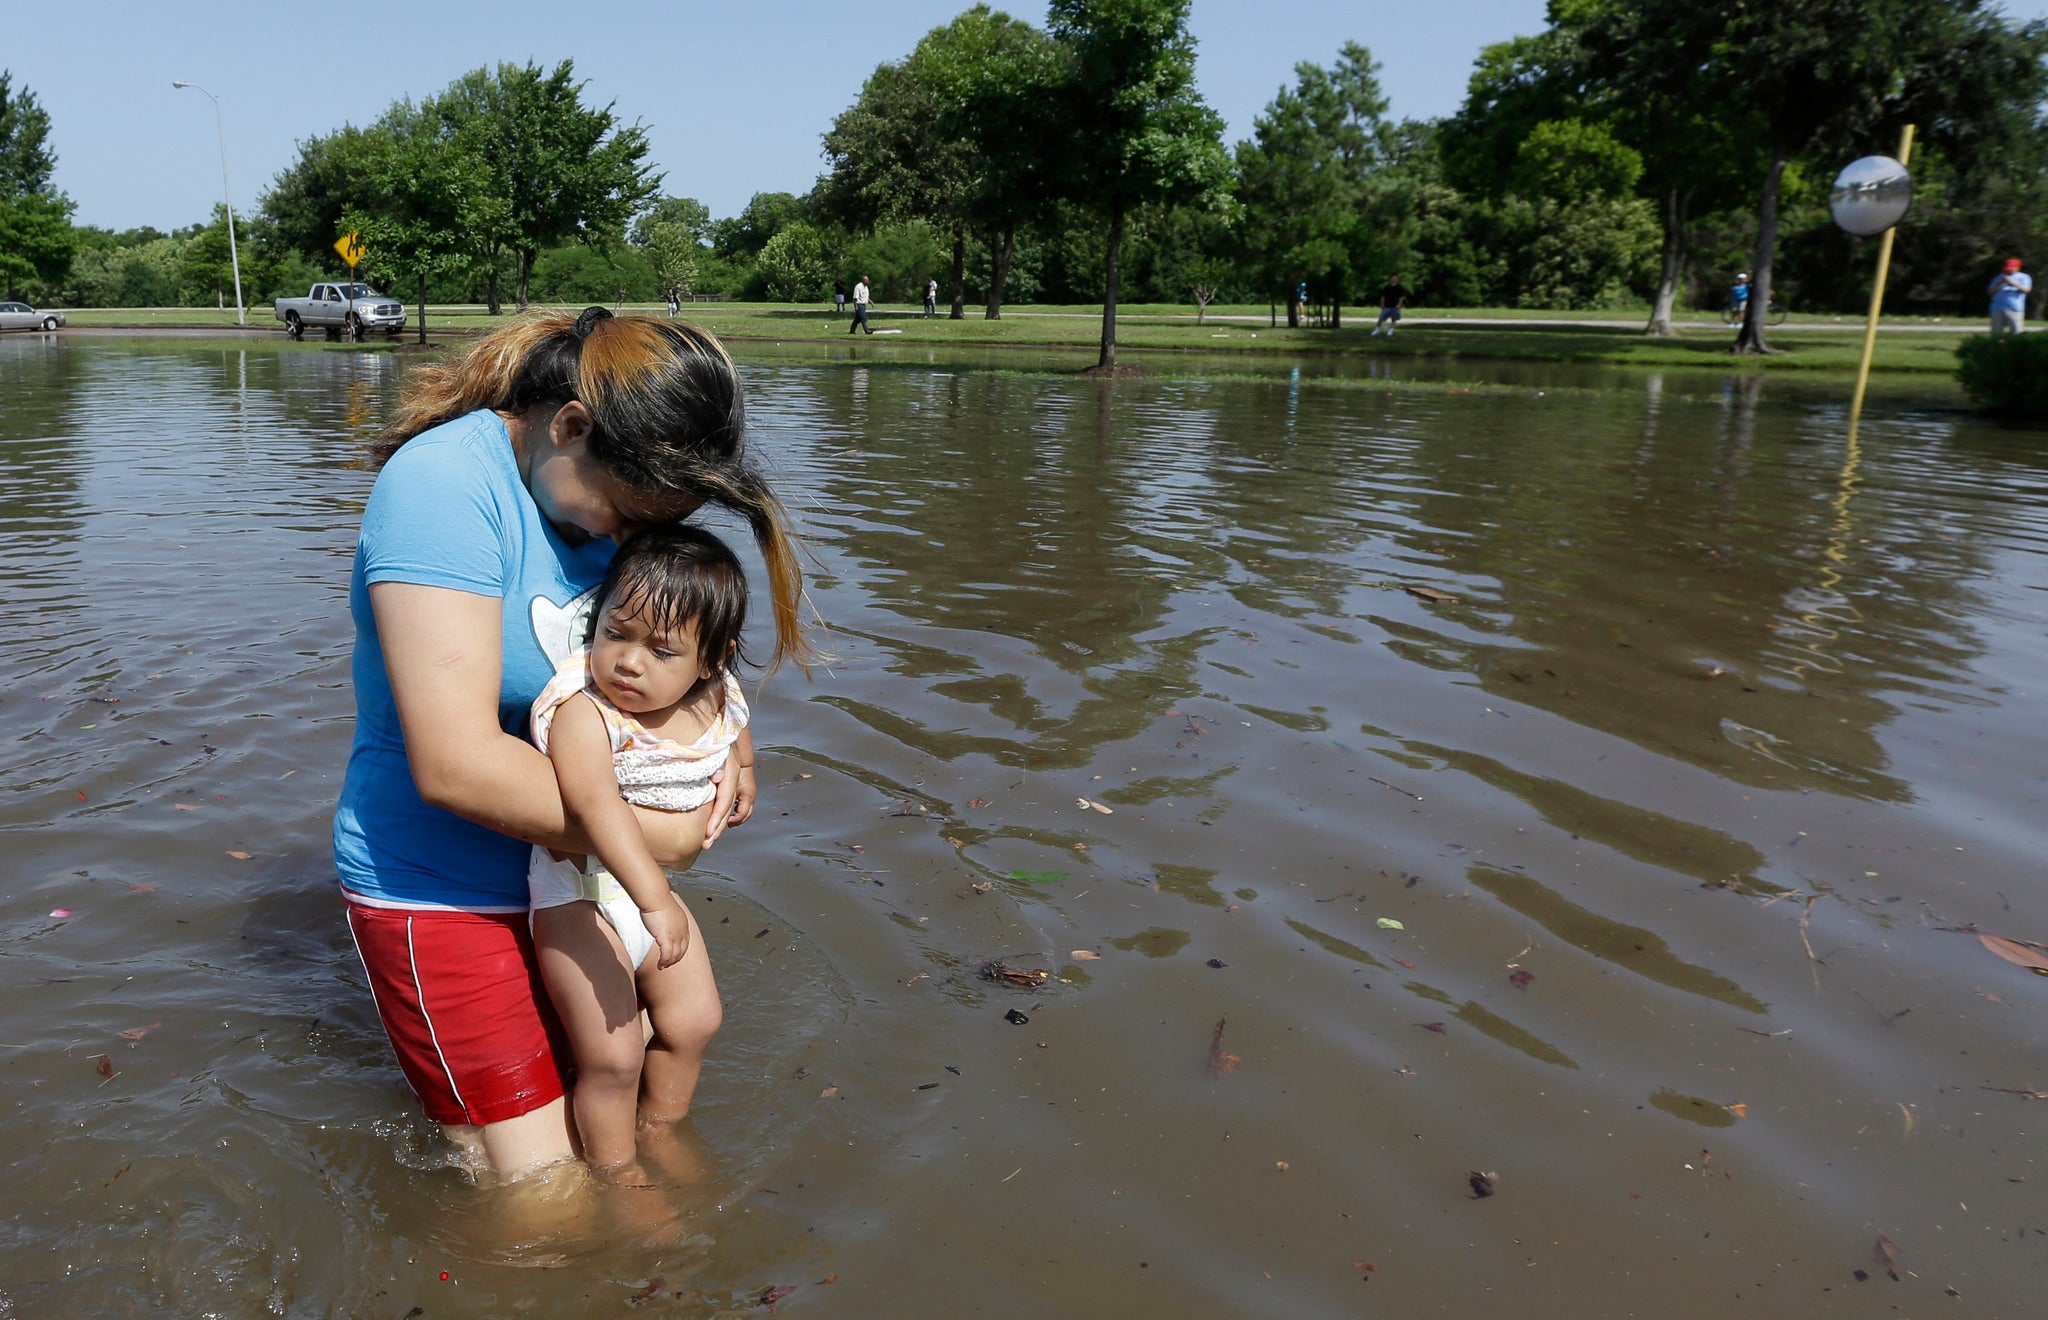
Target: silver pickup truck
[{"x": 347, "y": 310}]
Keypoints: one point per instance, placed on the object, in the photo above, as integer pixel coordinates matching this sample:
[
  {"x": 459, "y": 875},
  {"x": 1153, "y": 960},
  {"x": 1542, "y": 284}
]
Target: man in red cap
[{"x": 2009, "y": 299}]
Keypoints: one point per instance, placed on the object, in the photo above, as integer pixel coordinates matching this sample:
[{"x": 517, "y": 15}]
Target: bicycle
[{"x": 1773, "y": 315}]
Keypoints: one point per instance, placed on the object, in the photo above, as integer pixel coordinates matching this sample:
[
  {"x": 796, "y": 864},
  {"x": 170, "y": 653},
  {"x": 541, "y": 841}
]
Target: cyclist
[{"x": 1738, "y": 298}]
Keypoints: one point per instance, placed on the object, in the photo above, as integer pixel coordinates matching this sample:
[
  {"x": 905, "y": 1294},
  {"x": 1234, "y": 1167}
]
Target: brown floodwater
[{"x": 1629, "y": 876}]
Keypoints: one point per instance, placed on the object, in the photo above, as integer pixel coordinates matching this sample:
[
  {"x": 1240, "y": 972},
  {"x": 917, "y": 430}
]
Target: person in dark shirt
[{"x": 1392, "y": 296}]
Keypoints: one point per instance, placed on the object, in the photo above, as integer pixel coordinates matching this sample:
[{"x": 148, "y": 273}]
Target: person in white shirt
[
  {"x": 2009, "y": 299},
  {"x": 931, "y": 298},
  {"x": 860, "y": 308}
]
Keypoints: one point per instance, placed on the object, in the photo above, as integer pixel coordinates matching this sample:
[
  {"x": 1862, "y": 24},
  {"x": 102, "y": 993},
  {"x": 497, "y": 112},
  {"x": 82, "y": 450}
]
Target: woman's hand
[{"x": 736, "y": 791}]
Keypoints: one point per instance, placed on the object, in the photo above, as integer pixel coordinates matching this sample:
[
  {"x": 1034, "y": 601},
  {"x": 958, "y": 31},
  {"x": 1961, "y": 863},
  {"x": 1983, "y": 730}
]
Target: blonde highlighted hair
[{"x": 668, "y": 420}]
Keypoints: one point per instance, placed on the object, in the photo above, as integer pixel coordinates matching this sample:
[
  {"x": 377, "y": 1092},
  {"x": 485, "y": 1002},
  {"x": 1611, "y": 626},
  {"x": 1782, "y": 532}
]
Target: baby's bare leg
[
  {"x": 585, "y": 969},
  {"x": 684, "y": 1010}
]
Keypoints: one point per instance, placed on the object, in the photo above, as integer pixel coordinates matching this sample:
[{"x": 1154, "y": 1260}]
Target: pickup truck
[{"x": 350, "y": 310}]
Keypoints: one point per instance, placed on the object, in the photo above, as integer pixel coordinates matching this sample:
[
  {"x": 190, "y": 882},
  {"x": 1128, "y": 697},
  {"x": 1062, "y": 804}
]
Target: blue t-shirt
[
  {"x": 450, "y": 510},
  {"x": 1741, "y": 292},
  {"x": 2009, "y": 292}
]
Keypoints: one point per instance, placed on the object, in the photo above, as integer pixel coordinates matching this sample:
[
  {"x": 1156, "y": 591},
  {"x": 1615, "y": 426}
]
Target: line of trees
[{"x": 1633, "y": 153}]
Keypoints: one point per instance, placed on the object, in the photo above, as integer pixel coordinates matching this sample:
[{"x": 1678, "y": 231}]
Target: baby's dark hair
[{"x": 670, "y": 575}]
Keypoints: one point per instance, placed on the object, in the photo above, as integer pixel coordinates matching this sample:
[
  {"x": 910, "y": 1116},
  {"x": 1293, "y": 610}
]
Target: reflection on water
[{"x": 1668, "y": 811}]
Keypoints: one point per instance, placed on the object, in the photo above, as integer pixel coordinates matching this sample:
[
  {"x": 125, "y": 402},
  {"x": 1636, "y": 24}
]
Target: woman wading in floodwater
[{"x": 508, "y": 478}]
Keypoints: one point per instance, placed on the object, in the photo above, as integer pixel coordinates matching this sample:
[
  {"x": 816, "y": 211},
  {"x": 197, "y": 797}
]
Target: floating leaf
[
  {"x": 1084, "y": 955},
  {"x": 1520, "y": 978},
  {"x": 830, "y": 1278},
  {"x": 974, "y": 804},
  {"x": 104, "y": 1067},
  {"x": 1015, "y": 1018},
  {"x": 1437, "y": 1027},
  {"x": 1039, "y": 877},
  {"x": 137, "y": 1033},
  {"x": 1221, "y": 1061},
  {"x": 1388, "y": 923},
  {"x": 238, "y": 855},
  {"x": 1432, "y": 595},
  {"x": 1739, "y": 1109},
  {"x": 2024, "y": 952},
  {"x": 654, "y": 1285},
  {"x": 828, "y": 1093},
  {"x": 60, "y": 913},
  {"x": 1887, "y": 1252},
  {"x": 776, "y": 1294},
  {"x": 1482, "y": 1183},
  {"x": 185, "y": 806},
  {"x": 1093, "y": 806},
  {"x": 142, "y": 889}
]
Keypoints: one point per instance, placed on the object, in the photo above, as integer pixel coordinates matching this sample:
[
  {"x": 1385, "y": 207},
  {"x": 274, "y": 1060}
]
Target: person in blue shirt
[
  {"x": 2009, "y": 299},
  {"x": 506, "y": 480},
  {"x": 1738, "y": 297}
]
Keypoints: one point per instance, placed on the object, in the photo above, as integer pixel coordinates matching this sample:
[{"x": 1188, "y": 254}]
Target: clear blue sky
[{"x": 734, "y": 95}]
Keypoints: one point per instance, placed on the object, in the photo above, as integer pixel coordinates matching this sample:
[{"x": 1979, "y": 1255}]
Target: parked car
[
  {"x": 21, "y": 316},
  {"x": 352, "y": 310}
]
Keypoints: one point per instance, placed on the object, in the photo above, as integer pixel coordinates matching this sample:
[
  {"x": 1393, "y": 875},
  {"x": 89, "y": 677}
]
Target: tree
[
  {"x": 793, "y": 263},
  {"x": 687, "y": 213},
  {"x": 559, "y": 170},
  {"x": 1135, "y": 129},
  {"x": 995, "y": 80},
  {"x": 37, "y": 241},
  {"x": 424, "y": 195},
  {"x": 673, "y": 251},
  {"x": 892, "y": 159},
  {"x": 1320, "y": 205}
]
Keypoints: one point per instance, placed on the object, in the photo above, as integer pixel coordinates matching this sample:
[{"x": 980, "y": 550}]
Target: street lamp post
[{"x": 241, "y": 317}]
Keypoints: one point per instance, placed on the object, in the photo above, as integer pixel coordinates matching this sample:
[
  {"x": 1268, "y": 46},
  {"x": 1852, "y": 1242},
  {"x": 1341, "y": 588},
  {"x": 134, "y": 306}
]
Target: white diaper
[{"x": 550, "y": 883}]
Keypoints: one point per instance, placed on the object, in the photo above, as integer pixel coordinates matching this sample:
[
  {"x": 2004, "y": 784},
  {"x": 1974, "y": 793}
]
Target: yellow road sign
[{"x": 351, "y": 248}]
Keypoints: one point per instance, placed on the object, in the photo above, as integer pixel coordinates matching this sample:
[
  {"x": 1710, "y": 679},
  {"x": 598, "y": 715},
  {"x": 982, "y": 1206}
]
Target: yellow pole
[{"x": 1884, "y": 266}]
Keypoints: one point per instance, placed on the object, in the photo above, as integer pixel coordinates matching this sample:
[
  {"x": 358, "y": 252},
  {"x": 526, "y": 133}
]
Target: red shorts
[{"x": 461, "y": 998}]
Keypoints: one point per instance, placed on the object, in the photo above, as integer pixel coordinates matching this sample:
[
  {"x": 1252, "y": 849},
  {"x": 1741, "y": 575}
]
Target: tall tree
[
  {"x": 1320, "y": 205},
  {"x": 422, "y": 196},
  {"x": 893, "y": 157},
  {"x": 1135, "y": 129},
  {"x": 562, "y": 170},
  {"x": 37, "y": 241}
]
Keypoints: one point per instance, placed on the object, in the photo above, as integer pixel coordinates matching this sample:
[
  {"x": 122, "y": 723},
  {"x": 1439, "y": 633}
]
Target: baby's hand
[{"x": 670, "y": 927}]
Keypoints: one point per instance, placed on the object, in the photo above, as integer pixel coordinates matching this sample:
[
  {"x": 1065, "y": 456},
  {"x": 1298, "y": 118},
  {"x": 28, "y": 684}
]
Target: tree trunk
[
  {"x": 1751, "y": 340},
  {"x": 423, "y": 307},
  {"x": 1336, "y": 311},
  {"x": 1112, "y": 270},
  {"x": 999, "y": 277},
  {"x": 1293, "y": 312},
  {"x": 526, "y": 256},
  {"x": 1674, "y": 264},
  {"x": 491, "y": 285},
  {"x": 959, "y": 312}
]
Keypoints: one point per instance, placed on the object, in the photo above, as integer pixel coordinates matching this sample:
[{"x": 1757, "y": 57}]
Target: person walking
[
  {"x": 1392, "y": 296},
  {"x": 2009, "y": 299},
  {"x": 931, "y": 298},
  {"x": 839, "y": 297},
  {"x": 860, "y": 308},
  {"x": 674, "y": 297}
]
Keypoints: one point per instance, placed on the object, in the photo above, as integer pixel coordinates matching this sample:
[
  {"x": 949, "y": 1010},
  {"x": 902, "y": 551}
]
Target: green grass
[{"x": 1807, "y": 343}]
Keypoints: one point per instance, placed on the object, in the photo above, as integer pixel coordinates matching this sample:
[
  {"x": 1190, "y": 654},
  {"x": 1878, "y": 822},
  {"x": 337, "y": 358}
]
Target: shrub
[{"x": 2006, "y": 374}]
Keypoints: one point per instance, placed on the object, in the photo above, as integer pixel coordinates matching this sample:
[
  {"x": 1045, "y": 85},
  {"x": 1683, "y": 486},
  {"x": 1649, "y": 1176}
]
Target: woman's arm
[{"x": 441, "y": 653}]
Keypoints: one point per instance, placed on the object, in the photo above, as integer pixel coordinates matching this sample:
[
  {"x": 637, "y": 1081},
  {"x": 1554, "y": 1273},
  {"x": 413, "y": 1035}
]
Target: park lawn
[{"x": 1823, "y": 344}]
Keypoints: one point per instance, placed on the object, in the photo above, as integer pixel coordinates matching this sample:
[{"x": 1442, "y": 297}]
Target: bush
[{"x": 2006, "y": 374}]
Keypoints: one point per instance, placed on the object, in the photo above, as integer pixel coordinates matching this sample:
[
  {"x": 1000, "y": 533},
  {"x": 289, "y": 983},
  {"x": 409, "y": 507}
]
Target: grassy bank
[{"x": 1906, "y": 344}]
